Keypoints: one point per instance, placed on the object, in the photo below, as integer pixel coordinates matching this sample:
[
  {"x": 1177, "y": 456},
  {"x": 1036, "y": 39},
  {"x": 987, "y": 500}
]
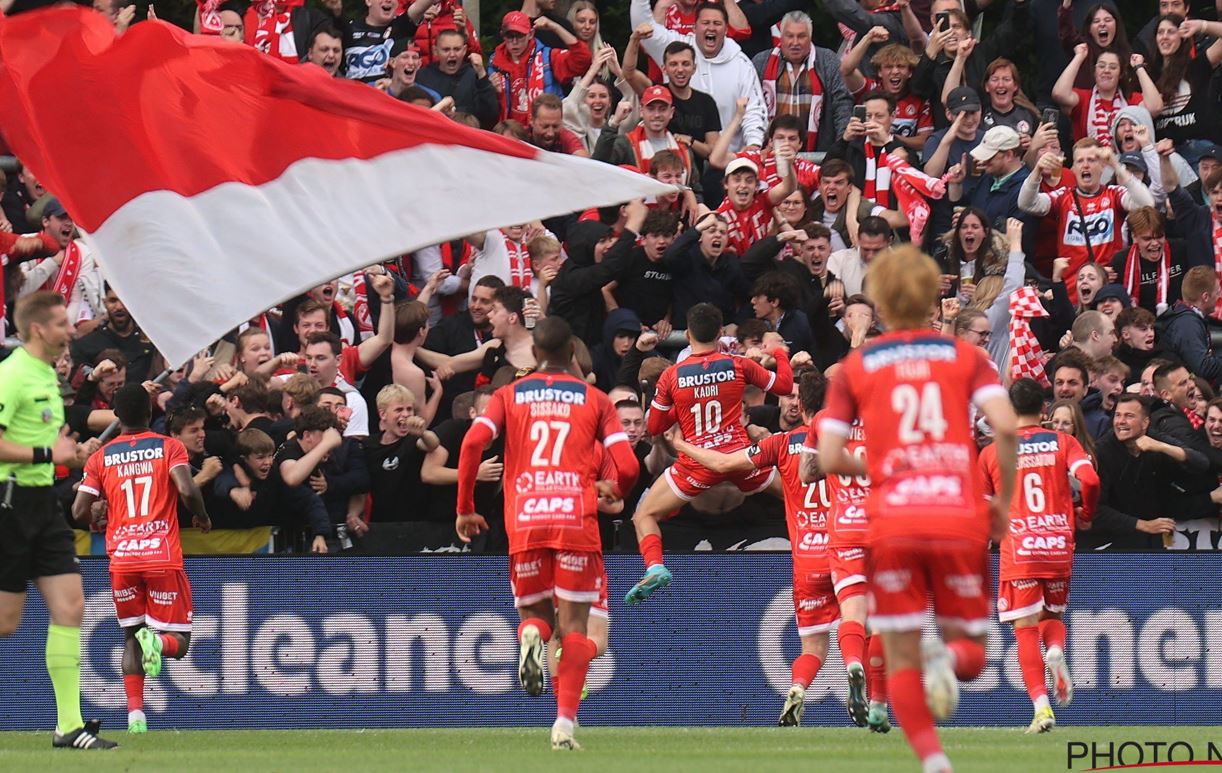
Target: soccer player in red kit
[
  {"x": 1037, "y": 552},
  {"x": 929, "y": 525},
  {"x": 847, "y": 548},
  {"x": 808, "y": 508},
  {"x": 140, "y": 475},
  {"x": 552, "y": 422},
  {"x": 704, "y": 394}
]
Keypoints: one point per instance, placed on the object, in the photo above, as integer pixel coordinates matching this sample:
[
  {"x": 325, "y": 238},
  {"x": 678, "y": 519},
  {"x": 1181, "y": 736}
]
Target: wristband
[{"x": 42, "y": 455}]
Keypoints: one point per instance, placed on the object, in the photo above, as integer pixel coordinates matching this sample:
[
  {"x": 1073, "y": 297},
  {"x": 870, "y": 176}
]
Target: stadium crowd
[{"x": 1079, "y": 232}]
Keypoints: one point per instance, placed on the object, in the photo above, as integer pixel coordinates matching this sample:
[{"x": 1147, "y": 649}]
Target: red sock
[
  {"x": 908, "y": 703},
  {"x": 545, "y": 630},
  {"x": 876, "y": 671},
  {"x": 805, "y": 668},
  {"x": 578, "y": 651},
  {"x": 651, "y": 549},
  {"x": 556, "y": 680},
  {"x": 1052, "y": 631},
  {"x": 1030, "y": 660},
  {"x": 852, "y": 637},
  {"x": 969, "y": 658},
  {"x": 169, "y": 645},
  {"x": 133, "y": 685}
]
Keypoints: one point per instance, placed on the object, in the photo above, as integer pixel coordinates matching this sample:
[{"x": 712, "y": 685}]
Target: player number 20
[
  {"x": 545, "y": 434},
  {"x": 1033, "y": 492},
  {"x": 920, "y": 413},
  {"x": 708, "y": 419},
  {"x": 129, "y": 486}
]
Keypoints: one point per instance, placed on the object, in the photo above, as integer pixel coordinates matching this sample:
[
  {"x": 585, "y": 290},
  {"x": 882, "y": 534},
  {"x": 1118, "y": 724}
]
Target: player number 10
[
  {"x": 145, "y": 482},
  {"x": 708, "y": 420}
]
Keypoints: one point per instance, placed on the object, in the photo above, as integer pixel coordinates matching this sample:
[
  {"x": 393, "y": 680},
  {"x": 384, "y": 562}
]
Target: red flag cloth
[
  {"x": 241, "y": 180},
  {"x": 1026, "y": 355}
]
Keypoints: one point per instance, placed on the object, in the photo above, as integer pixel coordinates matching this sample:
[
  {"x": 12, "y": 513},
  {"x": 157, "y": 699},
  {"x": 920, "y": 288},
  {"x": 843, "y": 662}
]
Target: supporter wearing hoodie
[
  {"x": 722, "y": 69},
  {"x": 1133, "y": 132},
  {"x": 620, "y": 331},
  {"x": 522, "y": 67}
]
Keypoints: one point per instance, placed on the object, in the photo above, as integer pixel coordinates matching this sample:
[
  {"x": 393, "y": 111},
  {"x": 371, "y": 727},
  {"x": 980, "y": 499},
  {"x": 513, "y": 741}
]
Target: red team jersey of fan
[
  {"x": 928, "y": 517},
  {"x": 1099, "y": 220},
  {"x": 750, "y": 225},
  {"x": 807, "y": 510},
  {"x": 912, "y": 115},
  {"x": 1037, "y": 552},
  {"x": 848, "y": 527},
  {"x": 807, "y": 172},
  {"x": 132, "y": 474},
  {"x": 704, "y": 393}
]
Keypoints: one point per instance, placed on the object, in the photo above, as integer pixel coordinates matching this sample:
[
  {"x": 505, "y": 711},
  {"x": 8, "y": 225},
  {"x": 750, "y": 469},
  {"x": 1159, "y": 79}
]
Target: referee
[{"x": 35, "y": 540}]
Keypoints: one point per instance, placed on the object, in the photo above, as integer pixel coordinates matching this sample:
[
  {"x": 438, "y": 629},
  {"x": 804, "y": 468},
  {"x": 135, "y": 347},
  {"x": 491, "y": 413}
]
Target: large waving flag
[{"x": 214, "y": 181}]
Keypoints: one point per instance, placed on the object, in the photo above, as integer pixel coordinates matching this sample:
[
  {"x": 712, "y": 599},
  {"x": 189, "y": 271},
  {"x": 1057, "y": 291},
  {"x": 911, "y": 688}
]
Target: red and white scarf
[
  {"x": 209, "y": 16},
  {"x": 643, "y": 150},
  {"x": 1132, "y": 277},
  {"x": 675, "y": 20},
  {"x": 520, "y": 274},
  {"x": 1217, "y": 313},
  {"x": 360, "y": 306},
  {"x": 886, "y": 173},
  {"x": 269, "y": 28},
  {"x": 69, "y": 271},
  {"x": 772, "y": 72},
  {"x": 1099, "y": 114},
  {"x": 1026, "y": 355}
]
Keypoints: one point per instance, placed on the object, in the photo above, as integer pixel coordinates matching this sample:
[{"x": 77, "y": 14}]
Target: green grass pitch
[{"x": 702, "y": 750}]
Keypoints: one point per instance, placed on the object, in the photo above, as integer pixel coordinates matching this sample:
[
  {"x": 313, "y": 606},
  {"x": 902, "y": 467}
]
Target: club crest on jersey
[{"x": 1099, "y": 228}]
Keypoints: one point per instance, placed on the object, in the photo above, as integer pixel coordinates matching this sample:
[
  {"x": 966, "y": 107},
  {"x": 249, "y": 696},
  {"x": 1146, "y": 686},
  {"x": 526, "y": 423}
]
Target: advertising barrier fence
[{"x": 429, "y": 641}]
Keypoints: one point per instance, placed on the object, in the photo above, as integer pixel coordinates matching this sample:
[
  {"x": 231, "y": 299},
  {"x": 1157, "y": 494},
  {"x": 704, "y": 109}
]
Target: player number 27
[
  {"x": 145, "y": 484},
  {"x": 544, "y": 434},
  {"x": 920, "y": 412}
]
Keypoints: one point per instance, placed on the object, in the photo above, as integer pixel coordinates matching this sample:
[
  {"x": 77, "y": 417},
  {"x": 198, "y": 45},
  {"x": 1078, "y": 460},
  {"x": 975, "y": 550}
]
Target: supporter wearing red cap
[
  {"x": 523, "y": 68},
  {"x": 747, "y": 209},
  {"x": 639, "y": 145}
]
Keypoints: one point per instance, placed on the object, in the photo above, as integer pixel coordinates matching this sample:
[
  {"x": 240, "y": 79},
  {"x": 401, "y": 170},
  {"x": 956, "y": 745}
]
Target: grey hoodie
[{"x": 1139, "y": 114}]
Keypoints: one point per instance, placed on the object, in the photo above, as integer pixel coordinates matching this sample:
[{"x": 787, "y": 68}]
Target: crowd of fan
[{"x": 338, "y": 416}]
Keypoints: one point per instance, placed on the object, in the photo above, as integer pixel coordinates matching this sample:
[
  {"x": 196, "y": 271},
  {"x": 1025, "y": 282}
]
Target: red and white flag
[{"x": 214, "y": 181}]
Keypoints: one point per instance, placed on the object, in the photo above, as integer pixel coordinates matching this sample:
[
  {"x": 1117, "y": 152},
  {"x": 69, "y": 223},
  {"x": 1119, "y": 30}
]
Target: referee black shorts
[{"x": 35, "y": 539}]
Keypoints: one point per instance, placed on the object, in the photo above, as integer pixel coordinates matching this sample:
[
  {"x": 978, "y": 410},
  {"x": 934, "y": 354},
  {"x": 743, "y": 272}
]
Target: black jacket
[
  {"x": 1182, "y": 331},
  {"x": 275, "y": 504},
  {"x": 1190, "y": 487},
  {"x": 576, "y": 293},
  {"x": 471, "y": 94},
  {"x": 721, "y": 283}
]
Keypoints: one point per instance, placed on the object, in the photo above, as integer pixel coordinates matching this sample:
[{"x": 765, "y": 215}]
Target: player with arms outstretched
[
  {"x": 1037, "y": 551},
  {"x": 140, "y": 475},
  {"x": 552, "y": 422},
  {"x": 929, "y": 526},
  {"x": 704, "y": 394},
  {"x": 808, "y": 508}
]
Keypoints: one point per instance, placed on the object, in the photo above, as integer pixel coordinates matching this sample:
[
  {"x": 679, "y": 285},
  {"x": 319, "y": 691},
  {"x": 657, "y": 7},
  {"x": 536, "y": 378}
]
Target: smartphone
[
  {"x": 1051, "y": 115},
  {"x": 859, "y": 112},
  {"x": 942, "y": 20}
]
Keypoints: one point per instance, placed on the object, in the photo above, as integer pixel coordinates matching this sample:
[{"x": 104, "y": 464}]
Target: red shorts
[
  {"x": 814, "y": 602},
  {"x": 906, "y": 574},
  {"x": 689, "y": 481},
  {"x": 848, "y": 567},
  {"x": 544, "y": 573},
  {"x": 160, "y": 599},
  {"x": 600, "y": 608},
  {"x": 1019, "y": 598}
]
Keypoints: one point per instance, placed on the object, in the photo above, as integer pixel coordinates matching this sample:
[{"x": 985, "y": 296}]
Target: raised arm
[{"x": 1062, "y": 91}]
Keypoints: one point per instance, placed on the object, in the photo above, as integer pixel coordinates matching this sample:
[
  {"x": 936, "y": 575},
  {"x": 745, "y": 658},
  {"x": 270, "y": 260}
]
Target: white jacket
[{"x": 725, "y": 77}]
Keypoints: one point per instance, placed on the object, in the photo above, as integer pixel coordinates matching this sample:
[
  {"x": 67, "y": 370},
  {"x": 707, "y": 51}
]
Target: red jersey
[
  {"x": 807, "y": 172},
  {"x": 1102, "y": 214},
  {"x": 750, "y": 225},
  {"x": 848, "y": 526},
  {"x": 132, "y": 473},
  {"x": 807, "y": 505},
  {"x": 912, "y": 390},
  {"x": 1040, "y": 540},
  {"x": 553, "y": 423},
  {"x": 704, "y": 393},
  {"x": 912, "y": 115}
]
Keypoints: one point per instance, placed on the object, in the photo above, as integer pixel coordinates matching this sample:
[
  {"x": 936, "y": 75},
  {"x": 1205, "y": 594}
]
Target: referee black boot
[{"x": 83, "y": 738}]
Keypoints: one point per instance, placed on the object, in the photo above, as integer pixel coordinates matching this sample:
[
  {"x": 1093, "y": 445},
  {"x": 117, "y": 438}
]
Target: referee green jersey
[{"x": 31, "y": 414}]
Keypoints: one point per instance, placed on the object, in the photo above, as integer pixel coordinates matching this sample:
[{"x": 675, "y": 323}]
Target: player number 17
[{"x": 145, "y": 484}]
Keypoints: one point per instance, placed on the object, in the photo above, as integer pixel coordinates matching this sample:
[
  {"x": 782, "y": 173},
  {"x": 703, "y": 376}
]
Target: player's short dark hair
[
  {"x": 462, "y": 405},
  {"x": 179, "y": 420},
  {"x": 817, "y": 231},
  {"x": 416, "y": 94},
  {"x": 410, "y": 318},
  {"x": 875, "y": 226},
  {"x": 314, "y": 418},
  {"x": 786, "y": 121},
  {"x": 35, "y": 309},
  {"x": 490, "y": 280},
  {"x": 779, "y": 287},
  {"x": 131, "y": 405},
  {"x": 545, "y": 102},
  {"x": 660, "y": 222},
  {"x": 678, "y": 47},
  {"x": 704, "y": 322},
  {"x": 712, "y": 5},
  {"x": 628, "y": 403},
  {"x": 310, "y": 306},
  {"x": 751, "y": 328},
  {"x": 1162, "y": 374},
  {"x": 324, "y": 29},
  {"x": 1027, "y": 397},
  {"x": 1129, "y": 397},
  {"x": 333, "y": 392},
  {"x": 1134, "y": 316},
  {"x": 513, "y": 299},
  {"x": 254, "y": 441},
  {"x": 836, "y": 167},
  {"x": 1071, "y": 358},
  {"x": 812, "y": 388},
  {"x": 553, "y": 340},
  {"x": 884, "y": 96},
  {"x": 450, "y": 31},
  {"x": 326, "y": 337},
  {"x": 251, "y": 396}
]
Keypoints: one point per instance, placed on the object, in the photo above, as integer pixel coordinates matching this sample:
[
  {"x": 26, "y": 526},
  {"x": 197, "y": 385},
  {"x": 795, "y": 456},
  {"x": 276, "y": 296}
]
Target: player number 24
[
  {"x": 129, "y": 486},
  {"x": 544, "y": 434},
  {"x": 920, "y": 413}
]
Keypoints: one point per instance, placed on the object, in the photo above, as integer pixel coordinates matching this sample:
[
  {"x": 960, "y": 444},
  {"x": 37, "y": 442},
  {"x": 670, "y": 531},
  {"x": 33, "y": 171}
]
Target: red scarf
[
  {"x": 1196, "y": 421},
  {"x": 1026, "y": 355},
  {"x": 209, "y": 16},
  {"x": 360, "y": 306},
  {"x": 643, "y": 151},
  {"x": 1217, "y": 314},
  {"x": 1099, "y": 114},
  {"x": 912, "y": 187},
  {"x": 69, "y": 271},
  {"x": 520, "y": 274},
  {"x": 1132, "y": 277},
  {"x": 453, "y": 259},
  {"x": 772, "y": 72},
  {"x": 269, "y": 29}
]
